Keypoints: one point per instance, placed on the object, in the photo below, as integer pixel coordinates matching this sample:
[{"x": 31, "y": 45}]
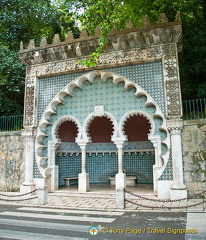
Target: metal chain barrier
[
  {"x": 167, "y": 201},
  {"x": 158, "y": 200},
  {"x": 16, "y": 196},
  {"x": 17, "y": 200},
  {"x": 19, "y": 195}
]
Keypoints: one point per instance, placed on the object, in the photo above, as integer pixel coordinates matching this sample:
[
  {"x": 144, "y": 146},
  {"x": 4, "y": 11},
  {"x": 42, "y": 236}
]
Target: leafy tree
[
  {"x": 109, "y": 14},
  {"x": 12, "y": 77},
  {"x": 22, "y": 20}
]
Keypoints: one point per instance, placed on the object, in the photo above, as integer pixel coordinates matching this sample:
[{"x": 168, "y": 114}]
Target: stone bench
[
  {"x": 130, "y": 181},
  {"x": 67, "y": 180}
]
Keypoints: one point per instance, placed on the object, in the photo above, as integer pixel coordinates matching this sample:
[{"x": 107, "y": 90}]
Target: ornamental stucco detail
[
  {"x": 172, "y": 81},
  {"x": 56, "y": 125}
]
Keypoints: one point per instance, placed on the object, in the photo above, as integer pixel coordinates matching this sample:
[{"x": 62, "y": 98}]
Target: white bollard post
[
  {"x": 120, "y": 198},
  {"x": 42, "y": 195}
]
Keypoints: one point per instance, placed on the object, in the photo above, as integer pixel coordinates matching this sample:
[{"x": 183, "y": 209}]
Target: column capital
[
  {"x": 174, "y": 124},
  {"x": 82, "y": 143},
  {"x": 53, "y": 145},
  {"x": 119, "y": 142},
  {"x": 28, "y": 132}
]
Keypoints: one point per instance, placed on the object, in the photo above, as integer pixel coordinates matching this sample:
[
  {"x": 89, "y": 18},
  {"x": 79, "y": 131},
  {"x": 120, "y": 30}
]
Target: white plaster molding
[
  {"x": 89, "y": 119},
  {"x": 174, "y": 124},
  {"x": 61, "y": 120},
  {"x": 132, "y": 113}
]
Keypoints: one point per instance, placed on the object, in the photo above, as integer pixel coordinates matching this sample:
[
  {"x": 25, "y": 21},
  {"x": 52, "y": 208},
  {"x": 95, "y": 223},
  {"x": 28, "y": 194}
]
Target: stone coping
[
  {"x": 194, "y": 122},
  {"x": 11, "y": 133}
]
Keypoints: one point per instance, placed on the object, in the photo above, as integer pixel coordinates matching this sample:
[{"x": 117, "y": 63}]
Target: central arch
[
  {"x": 101, "y": 151},
  {"x": 83, "y": 125},
  {"x": 101, "y": 130}
]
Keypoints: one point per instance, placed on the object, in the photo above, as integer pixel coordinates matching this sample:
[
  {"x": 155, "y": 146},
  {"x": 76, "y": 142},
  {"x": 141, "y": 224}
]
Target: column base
[
  {"x": 120, "y": 180},
  {"x": 54, "y": 178},
  {"x": 178, "y": 186},
  {"x": 27, "y": 188},
  {"x": 83, "y": 182},
  {"x": 178, "y": 194},
  {"x": 164, "y": 188}
]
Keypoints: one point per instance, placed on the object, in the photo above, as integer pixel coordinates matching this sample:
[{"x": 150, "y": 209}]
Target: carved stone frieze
[
  {"x": 28, "y": 132},
  {"x": 171, "y": 70},
  {"x": 174, "y": 108},
  {"x": 147, "y": 36},
  {"x": 29, "y": 107},
  {"x": 175, "y": 124},
  {"x": 111, "y": 58},
  {"x": 172, "y": 82}
]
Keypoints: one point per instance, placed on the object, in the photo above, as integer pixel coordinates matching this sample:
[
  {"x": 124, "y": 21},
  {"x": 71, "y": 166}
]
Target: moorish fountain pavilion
[{"x": 118, "y": 123}]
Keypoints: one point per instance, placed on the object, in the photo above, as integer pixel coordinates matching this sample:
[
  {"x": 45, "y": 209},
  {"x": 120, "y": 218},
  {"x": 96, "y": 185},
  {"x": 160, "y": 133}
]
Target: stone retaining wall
[
  {"x": 12, "y": 160},
  {"x": 194, "y": 155}
]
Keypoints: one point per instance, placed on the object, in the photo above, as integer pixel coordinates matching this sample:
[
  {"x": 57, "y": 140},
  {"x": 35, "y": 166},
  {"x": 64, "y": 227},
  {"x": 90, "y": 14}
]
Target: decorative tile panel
[
  {"x": 139, "y": 165},
  {"x": 148, "y": 75}
]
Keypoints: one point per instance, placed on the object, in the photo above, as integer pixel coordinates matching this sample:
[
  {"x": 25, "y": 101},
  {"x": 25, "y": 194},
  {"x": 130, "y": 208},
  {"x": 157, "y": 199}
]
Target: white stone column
[
  {"x": 120, "y": 178},
  {"x": 52, "y": 146},
  {"x": 83, "y": 179},
  {"x": 156, "y": 141},
  {"x": 28, "y": 184},
  {"x": 178, "y": 188}
]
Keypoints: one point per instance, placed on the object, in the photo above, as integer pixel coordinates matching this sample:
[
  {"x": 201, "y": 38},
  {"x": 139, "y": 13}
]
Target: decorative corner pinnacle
[
  {"x": 97, "y": 31},
  {"x": 43, "y": 42},
  {"x": 145, "y": 22},
  {"x": 84, "y": 34},
  {"x": 56, "y": 39},
  {"x": 70, "y": 37},
  {"x": 21, "y": 46},
  {"x": 177, "y": 17},
  {"x": 129, "y": 24},
  {"x": 162, "y": 18},
  {"x": 31, "y": 44}
]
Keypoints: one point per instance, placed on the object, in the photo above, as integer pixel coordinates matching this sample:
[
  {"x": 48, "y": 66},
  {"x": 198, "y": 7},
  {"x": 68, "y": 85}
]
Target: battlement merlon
[{"x": 131, "y": 37}]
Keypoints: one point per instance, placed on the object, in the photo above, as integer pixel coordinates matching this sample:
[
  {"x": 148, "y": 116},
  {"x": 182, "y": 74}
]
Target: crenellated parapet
[{"x": 147, "y": 35}]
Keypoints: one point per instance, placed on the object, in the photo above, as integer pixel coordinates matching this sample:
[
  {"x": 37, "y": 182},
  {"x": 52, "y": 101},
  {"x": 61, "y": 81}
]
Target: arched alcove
[
  {"x": 139, "y": 157},
  {"x": 101, "y": 162},
  {"x": 101, "y": 130},
  {"x": 67, "y": 131},
  {"x": 137, "y": 128},
  {"x": 69, "y": 163}
]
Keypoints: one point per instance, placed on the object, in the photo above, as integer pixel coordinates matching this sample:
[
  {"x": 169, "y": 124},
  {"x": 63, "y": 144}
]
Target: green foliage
[
  {"x": 12, "y": 75},
  {"x": 113, "y": 14},
  {"x": 23, "y": 20}
]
